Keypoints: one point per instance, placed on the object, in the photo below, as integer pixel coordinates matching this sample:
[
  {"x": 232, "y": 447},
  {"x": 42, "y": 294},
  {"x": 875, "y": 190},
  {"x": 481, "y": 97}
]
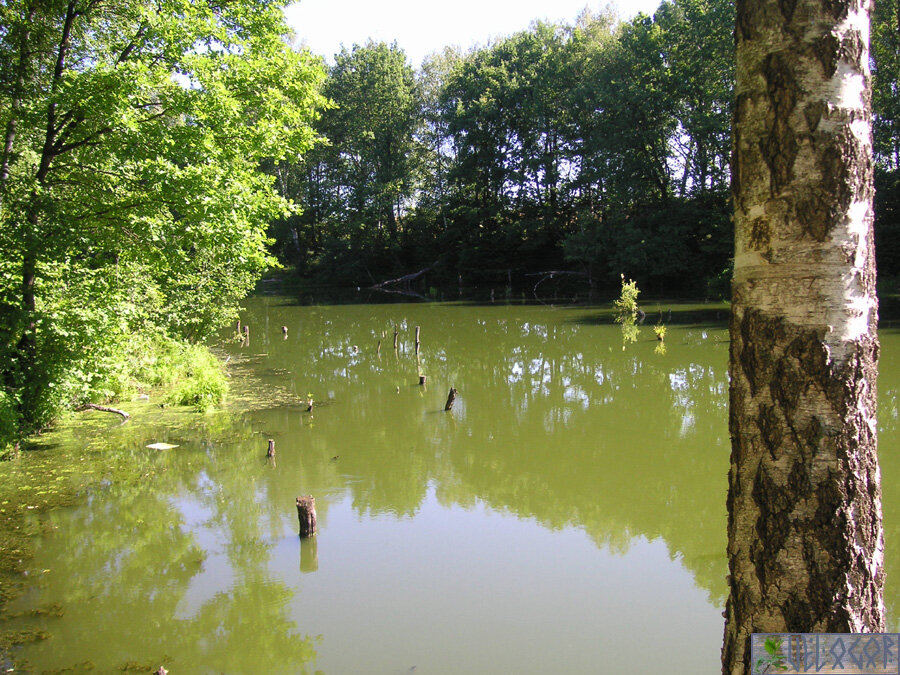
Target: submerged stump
[
  {"x": 306, "y": 513},
  {"x": 451, "y": 397},
  {"x": 270, "y": 453}
]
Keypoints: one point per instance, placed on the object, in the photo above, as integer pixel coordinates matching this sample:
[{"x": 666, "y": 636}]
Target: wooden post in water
[
  {"x": 306, "y": 513},
  {"x": 396, "y": 341},
  {"x": 378, "y": 348},
  {"x": 417, "y": 339},
  {"x": 451, "y": 397},
  {"x": 422, "y": 380},
  {"x": 270, "y": 453},
  {"x": 246, "y": 336}
]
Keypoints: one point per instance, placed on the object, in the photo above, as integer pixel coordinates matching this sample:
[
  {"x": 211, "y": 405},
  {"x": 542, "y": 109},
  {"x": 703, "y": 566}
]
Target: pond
[{"x": 567, "y": 515}]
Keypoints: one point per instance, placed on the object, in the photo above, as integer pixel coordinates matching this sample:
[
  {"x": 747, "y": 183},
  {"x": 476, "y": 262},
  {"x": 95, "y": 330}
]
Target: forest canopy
[{"x": 599, "y": 147}]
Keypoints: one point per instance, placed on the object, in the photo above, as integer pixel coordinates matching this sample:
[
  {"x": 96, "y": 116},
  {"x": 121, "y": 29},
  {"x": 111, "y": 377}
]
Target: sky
[{"x": 421, "y": 27}]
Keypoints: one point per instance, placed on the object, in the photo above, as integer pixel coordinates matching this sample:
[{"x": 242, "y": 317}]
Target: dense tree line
[{"x": 598, "y": 147}]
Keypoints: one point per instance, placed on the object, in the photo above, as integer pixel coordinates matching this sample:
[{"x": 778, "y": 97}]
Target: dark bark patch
[
  {"x": 827, "y": 51},
  {"x": 797, "y": 614},
  {"x": 813, "y": 113},
  {"x": 852, "y": 49},
  {"x": 773, "y": 525},
  {"x": 780, "y": 146},
  {"x": 760, "y": 235},
  {"x": 814, "y": 215},
  {"x": 799, "y": 481},
  {"x": 787, "y": 8},
  {"x": 837, "y": 9},
  {"x": 747, "y": 20},
  {"x": 770, "y": 427},
  {"x": 759, "y": 335}
]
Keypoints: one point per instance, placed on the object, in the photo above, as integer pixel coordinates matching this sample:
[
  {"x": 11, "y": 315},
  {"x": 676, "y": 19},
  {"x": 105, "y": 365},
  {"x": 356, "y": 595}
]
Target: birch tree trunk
[{"x": 805, "y": 540}]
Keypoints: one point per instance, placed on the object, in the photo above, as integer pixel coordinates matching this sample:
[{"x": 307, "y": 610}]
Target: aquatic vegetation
[{"x": 204, "y": 384}]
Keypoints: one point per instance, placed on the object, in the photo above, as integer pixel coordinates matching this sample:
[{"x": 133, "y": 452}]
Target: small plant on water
[
  {"x": 627, "y": 310},
  {"x": 626, "y": 305}
]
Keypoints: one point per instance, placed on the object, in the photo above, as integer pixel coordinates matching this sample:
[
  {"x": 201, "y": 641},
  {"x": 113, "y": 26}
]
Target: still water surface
[{"x": 566, "y": 516}]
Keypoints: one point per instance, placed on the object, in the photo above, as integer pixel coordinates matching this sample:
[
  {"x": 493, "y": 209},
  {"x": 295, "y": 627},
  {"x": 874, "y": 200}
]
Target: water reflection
[
  {"x": 172, "y": 569},
  {"x": 553, "y": 420},
  {"x": 574, "y": 495}
]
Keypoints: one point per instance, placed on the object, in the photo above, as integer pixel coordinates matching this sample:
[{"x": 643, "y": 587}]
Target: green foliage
[
  {"x": 626, "y": 304},
  {"x": 597, "y": 143},
  {"x": 660, "y": 331},
  {"x": 773, "y": 660},
  {"x": 204, "y": 384},
  {"x": 885, "y": 45},
  {"x": 627, "y": 309},
  {"x": 132, "y": 200},
  {"x": 353, "y": 189}
]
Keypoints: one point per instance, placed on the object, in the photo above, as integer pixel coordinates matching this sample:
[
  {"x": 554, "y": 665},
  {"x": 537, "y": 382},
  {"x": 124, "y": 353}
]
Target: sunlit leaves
[{"x": 134, "y": 188}]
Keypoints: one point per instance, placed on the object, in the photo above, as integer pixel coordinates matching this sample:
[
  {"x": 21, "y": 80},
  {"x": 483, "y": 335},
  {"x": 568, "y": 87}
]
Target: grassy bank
[{"x": 128, "y": 368}]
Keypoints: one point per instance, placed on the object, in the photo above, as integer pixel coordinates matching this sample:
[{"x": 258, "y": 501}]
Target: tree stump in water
[
  {"x": 396, "y": 341},
  {"x": 451, "y": 397},
  {"x": 306, "y": 513},
  {"x": 270, "y": 453},
  {"x": 417, "y": 339},
  {"x": 422, "y": 380}
]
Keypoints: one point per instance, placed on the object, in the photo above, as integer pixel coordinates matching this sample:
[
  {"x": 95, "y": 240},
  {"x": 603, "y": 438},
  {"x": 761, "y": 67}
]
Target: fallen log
[
  {"x": 103, "y": 408},
  {"x": 404, "y": 279}
]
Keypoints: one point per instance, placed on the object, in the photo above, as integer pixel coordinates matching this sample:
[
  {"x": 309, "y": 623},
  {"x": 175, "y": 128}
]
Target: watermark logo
[{"x": 846, "y": 653}]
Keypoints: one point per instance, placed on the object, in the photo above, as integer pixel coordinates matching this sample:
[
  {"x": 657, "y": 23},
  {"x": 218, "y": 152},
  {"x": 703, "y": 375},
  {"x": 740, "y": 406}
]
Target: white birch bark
[{"x": 805, "y": 538}]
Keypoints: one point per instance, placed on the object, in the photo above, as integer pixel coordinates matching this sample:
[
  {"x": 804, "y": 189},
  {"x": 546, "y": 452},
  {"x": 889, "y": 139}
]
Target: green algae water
[{"x": 567, "y": 515}]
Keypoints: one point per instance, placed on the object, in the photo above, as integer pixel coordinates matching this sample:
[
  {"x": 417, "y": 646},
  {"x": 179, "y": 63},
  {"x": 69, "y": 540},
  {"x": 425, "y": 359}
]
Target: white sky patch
[{"x": 421, "y": 28}]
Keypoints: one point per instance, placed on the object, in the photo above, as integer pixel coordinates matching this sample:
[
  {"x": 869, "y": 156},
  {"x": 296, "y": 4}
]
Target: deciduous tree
[{"x": 130, "y": 183}]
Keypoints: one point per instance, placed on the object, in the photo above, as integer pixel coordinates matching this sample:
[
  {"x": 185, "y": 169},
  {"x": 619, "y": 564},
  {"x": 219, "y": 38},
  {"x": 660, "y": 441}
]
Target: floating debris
[{"x": 161, "y": 446}]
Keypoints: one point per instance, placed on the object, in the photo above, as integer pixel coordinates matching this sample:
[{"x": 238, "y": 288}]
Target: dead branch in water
[
  {"x": 103, "y": 408},
  {"x": 405, "y": 279}
]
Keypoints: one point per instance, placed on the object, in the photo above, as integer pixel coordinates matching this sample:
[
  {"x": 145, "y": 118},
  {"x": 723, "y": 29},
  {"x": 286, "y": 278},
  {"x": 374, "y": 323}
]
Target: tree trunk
[
  {"x": 27, "y": 346},
  {"x": 805, "y": 540},
  {"x": 15, "y": 104}
]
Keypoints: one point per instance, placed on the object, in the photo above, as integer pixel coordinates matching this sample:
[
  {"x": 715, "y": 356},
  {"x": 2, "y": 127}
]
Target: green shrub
[{"x": 203, "y": 382}]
